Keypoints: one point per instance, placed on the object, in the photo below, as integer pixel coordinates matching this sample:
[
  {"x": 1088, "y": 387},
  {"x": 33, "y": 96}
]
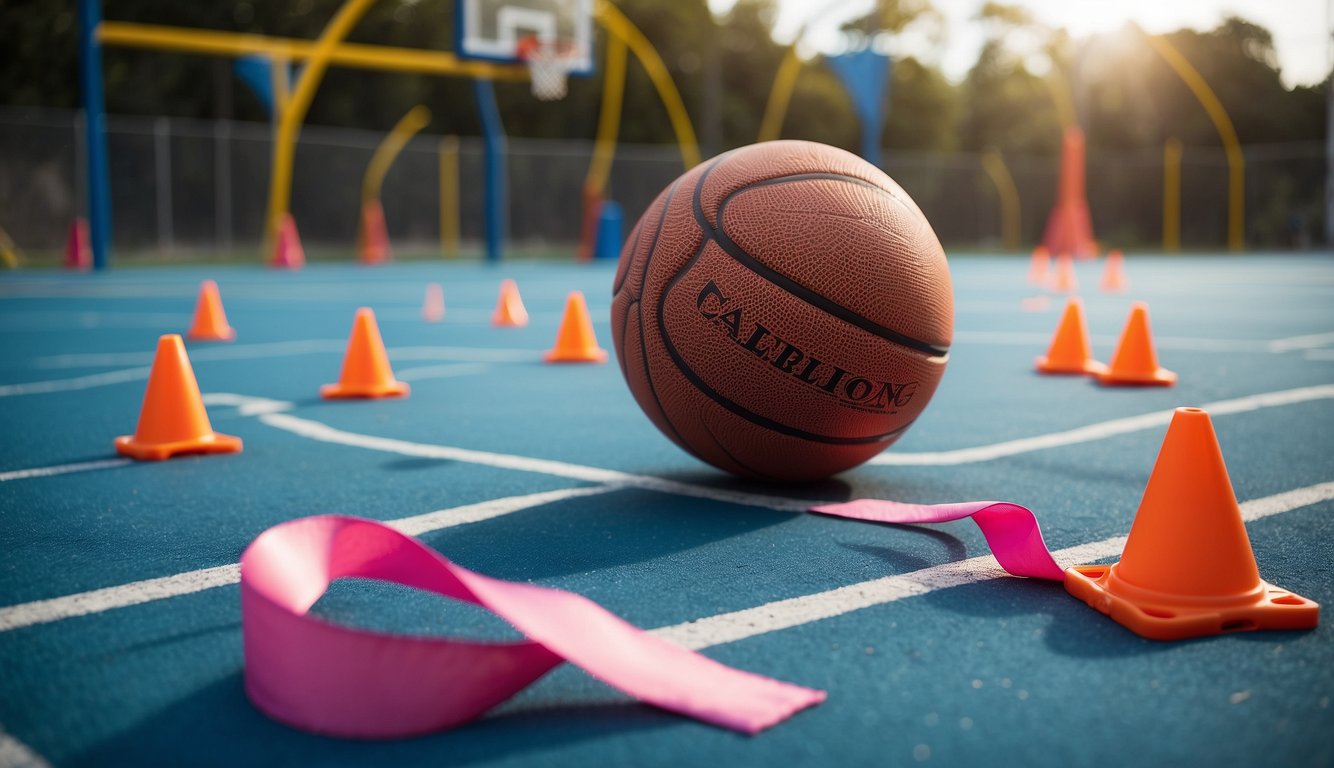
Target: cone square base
[
  {"x": 213, "y": 442},
  {"x": 364, "y": 392},
  {"x": 1089, "y": 367},
  {"x": 229, "y": 335},
  {"x": 559, "y": 356},
  {"x": 1159, "y": 616},
  {"x": 1159, "y": 378}
]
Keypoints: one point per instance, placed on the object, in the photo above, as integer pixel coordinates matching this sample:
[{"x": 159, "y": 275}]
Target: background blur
[{"x": 190, "y": 144}]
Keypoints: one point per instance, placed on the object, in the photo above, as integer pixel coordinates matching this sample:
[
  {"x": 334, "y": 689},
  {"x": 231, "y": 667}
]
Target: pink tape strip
[
  {"x": 349, "y": 682},
  {"x": 1011, "y": 530}
]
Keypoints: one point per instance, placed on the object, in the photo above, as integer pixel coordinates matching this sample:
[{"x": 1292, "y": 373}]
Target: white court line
[
  {"x": 16, "y": 754},
  {"x": 61, "y": 469},
  {"x": 285, "y": 348},
  {"x": 149, "y": 590},
  {"x": 795, "y": 611},
  {"x": 1040, "y": 341},
  {"x": 1099, "y": 431},
  {"x": 1302, "y": 342},
  {"x": 445, "y": 371},
  {"x": 1319, "y": 354},
  {"x": 78, "y": 382}
]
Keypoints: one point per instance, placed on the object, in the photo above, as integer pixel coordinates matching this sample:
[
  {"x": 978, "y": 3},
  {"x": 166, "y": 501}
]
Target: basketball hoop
[{"x": 549, "y": 66}]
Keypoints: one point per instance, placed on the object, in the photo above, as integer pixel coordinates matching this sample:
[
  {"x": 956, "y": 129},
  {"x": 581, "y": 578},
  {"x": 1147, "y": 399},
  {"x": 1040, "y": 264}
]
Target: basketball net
[{"x": 549, "y": 65}]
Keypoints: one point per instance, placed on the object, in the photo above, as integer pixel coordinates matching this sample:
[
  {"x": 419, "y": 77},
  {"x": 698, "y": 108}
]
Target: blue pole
[
  {"x": 90, "y": 78},
  {"x": 493, "y": 140}
]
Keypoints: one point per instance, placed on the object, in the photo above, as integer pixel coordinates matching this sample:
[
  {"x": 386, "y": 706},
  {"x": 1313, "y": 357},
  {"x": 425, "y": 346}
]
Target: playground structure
[{"x": 621, "y": 38}]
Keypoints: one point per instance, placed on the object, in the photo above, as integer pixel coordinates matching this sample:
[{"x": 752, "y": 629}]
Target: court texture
[{"x": 120, "y": 625}]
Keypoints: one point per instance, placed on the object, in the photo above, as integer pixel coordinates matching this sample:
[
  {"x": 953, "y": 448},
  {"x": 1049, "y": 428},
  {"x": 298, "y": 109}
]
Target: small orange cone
[
  {"x": 373, "y": 237},
  {"x": 1040, "y": 265},
  {"x": 1135, "y": 361},
  {"x": 1188, "y": 569},
  {"x": 433, "y": 308},
  {"x": 1064, "y": 280},
  {"x": 210, "y": 322},
  {"x": 173, "y": 419},
  {"x": 1114, "y": 273},
  {"x": 78, "y": 253},
  {"x": 366, "y": 372},
  {"x": 576, "y": 342},
  {"x": 287, "y": 250},
  {"x": 509, "y": 307},
  {"x": 1070, "y": 351}
]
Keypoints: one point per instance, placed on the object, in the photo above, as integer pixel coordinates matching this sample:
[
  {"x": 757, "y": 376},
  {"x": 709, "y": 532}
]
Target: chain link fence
[{"x": 186, "y": 189}]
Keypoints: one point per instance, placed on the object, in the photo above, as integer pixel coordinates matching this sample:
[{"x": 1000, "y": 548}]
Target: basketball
[{"x": 783, "y": 311}]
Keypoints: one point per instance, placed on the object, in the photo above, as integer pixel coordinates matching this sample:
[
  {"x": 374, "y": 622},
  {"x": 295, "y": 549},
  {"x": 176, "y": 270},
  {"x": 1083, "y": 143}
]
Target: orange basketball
[{"x": 783, "y": 311}]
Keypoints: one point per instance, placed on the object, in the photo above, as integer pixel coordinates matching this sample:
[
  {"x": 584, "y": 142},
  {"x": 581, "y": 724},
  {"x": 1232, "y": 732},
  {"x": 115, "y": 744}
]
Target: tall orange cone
[
  {"x": 575, "y": 341},
  {"x": 1135, "y": 362},
  {"x": 210, "y": 323},
  {"x": 366, "y": 372},
  {"x": 287, "y": 250},
  {"x": 1069, "y": 230},
  {"x": 1070, "y": 351},
  {"x": 510, "y": 311},
  {"x": 433, "y": 307},
  {"x": 1063, "y": 279},
  {"x": 78, "y": 253},
  {"x": 373, "y": 237},
  {"x": 1039, "y": 266},
  {"x": 1114, "y": 273},
  {"x": 173, "y": 419},
  {"x": 1188, "y": 569}
]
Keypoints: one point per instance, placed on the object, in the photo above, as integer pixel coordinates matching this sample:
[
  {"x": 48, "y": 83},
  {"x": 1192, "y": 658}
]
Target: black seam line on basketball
[
  {"x": 639, "y": 304},
  {"x": 725, "y": 242},
  {"x": 736, "y": 408}
]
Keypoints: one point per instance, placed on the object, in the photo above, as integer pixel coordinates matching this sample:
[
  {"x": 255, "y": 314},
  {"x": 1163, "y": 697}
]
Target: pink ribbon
[
  {"x": 1011, "y": 530},
  {"x": 341, "y": 681}
]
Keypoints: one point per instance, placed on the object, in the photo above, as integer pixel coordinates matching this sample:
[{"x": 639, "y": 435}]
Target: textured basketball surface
[{"x": 783, "y": 311}]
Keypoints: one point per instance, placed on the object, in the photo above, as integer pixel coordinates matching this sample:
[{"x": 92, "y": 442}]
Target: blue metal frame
[
  {"x": 495, "y": 211},
  {"x": 99, "y": 178},
  {"x": 866, "y": 76}
]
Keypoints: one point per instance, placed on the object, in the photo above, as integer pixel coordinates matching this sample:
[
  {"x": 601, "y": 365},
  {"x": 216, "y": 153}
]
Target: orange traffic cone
[
  {"x": 1135, "y": 361},
  {"x": 210, "y": 322},
  {"x": 78, "y": 253},
  {"x": 576, "y": 342},
  {"x": 1064, "y": 279},
  {"x": 1188, "y": 569},
  {"x": 1114, "y": 273},
  {"x": 1039, "y": 266},
  {"x": 287, "y": 250},
  {"x": 366, "y": 372},
  {"x": 1070, "y": 351},
  {"x": 373, "y": 238},
  {"x": 173, "y": 419},
  {"x": 433, "y": 308},
  {"x": 509, "y": 308}
]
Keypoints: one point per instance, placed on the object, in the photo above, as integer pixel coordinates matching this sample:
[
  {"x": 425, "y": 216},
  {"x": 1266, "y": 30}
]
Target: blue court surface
[{"x": 120, "y": 633}]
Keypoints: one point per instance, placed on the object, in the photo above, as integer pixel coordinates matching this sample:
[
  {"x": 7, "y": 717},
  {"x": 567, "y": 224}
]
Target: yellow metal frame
[
  {"x": 398, "y": 137},
  {"x": 1172, "y": 195},
  {"x": 1236, "y": 162},
  {"x": 449, "y": 195},
  {"x": 994, "y": 165},
  {"x": 780, "y": 94},
  {"x": 609, "y": 119}
]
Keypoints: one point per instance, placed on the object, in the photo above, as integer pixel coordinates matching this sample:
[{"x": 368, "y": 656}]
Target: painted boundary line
[
  {"x": 60, "y": 469},
  {"x": 149, "y": 590},
  {"x": 1103, "y": 429},
  {"x": 792, "y": 612}
]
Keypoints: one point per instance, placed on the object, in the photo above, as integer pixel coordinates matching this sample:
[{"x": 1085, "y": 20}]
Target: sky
[{"x": 1301, "y": 28}]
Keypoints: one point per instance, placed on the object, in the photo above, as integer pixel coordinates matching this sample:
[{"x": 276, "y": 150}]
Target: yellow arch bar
[
  {"x": 780, "y": 95},
  {"x": 617, "y": 24},
  {"x": 385, "y": 154},
  {"x": 349, "y": 55},
  {"x": 1236, "y": 163},
  {"x": 609, "y": 119},
  {"x": 1172, "y": 195},
  {"x": 994, "y": 165}
]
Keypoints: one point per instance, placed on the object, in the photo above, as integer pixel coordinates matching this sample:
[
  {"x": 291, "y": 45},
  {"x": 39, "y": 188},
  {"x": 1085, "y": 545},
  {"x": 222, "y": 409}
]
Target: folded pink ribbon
[
  {"x": 1011, "y": 530},
  {"x": 341, "y": 681}
]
